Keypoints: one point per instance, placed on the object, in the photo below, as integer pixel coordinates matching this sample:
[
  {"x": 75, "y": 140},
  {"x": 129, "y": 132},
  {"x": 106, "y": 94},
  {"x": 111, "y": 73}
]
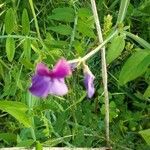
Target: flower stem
[
  {"x": 93, "y": 52},
  {"x": 104, "y": 69}
]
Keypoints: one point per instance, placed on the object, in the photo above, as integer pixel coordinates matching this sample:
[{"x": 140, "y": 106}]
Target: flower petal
[
  {"x": 89, "y": 81},
  {"x": 58, "y": 87},
  {"x": 61, "y": 69},
  {"x": 40, "y": 86},
  {"x": 42, "y": 69}
]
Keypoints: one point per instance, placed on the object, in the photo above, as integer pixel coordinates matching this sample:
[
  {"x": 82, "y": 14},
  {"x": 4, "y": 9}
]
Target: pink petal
[
  {"x": 61, "y": 69},
  {"x": 42, "y": 69},
  {"x": 58, "y": 87}
]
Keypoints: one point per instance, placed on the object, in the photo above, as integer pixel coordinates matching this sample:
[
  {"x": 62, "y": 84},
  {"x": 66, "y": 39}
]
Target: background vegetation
[{"x": 46, "y": 30}]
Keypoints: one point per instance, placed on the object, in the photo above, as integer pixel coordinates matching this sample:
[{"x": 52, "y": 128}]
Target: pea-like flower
[
  {"x": 52, "y": 82},
  {"x": 89, "y": 81}
]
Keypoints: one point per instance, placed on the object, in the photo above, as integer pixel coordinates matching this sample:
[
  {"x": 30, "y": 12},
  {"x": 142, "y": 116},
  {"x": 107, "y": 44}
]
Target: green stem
[
  {"x": 90, "y": 54},
  {"x": 35, "y": 19},
  {"x": 36, "y": 24},
  {"x": 18, "y": 37},
  {"x": 74, "y": 30},
  {"x": 30, "y": 104}
]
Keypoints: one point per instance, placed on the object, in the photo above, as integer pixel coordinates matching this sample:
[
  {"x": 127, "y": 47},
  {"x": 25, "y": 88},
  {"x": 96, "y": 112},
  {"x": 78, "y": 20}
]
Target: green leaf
[
  {"x": 85, "y": 28},
  {"x": 10, "y": 48},
  {"x": 85, "y": 23},
  {"x": 8, "y": 137},
  {"x": 122, "y": 10},
  {"x": 26, "y": 143},
  {"x": 25, "y": 23},
  {"x": 65, "y": 14},
  {"x": 27, "y": 48},
  {"x": 1, "y": 71},
  {"x": 141, "y": 41},
  {"x": 84, "y": 12},
  {"x": 146, "y": 135},
  {"x": 38, "y": 145},
  {"x": 147, "y": 92},
  {"x": 27, "y": 63},
  {"x": 115, "y": 49},
  {"x": 9, "y": 21},
  {"x": 135, "y": 66},
  {"x": 17, "y": 110},
  {"x": 62, "y": 29}
]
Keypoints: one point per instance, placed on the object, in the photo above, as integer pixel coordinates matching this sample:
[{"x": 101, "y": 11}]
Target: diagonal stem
[
  {"x": 104, "y": 69},
  {"x": 94, "y": 51}
]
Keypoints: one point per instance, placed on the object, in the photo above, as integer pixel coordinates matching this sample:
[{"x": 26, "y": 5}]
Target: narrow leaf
[
  {"x": 17, "y": 110},
  {"x": 1, "y": 71},
  {"x": 25, "y": 23},
  {"x": 27, "y": 48},
  {"x": 122, "y": 11},
  {"x": 115, "y": 49},
  {"x": 141, "y": 41},
  {"x": 135, "y": 66},
  {"x": 9, "y": 21},
  {"x": 10, "y": 48}
]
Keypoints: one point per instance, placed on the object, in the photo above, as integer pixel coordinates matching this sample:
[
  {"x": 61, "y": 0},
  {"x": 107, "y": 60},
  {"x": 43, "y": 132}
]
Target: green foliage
[
  {"x": 135, "y": 66},
  {"x": 65, "y": 14},
  {"x": 9, "y": 21},
  {"x": 25, "y": 23},
  {"x": 27, "y": 48},
  {"x": 43, "y": 31},
  {"x": 122, "y": 11},
  {"x": 17, "y": 110},
  {"x": 62, "y": 29},
  {"x": 142, "y": 42},
  {"x": 147, "y": 92},
  {"x": 146, "y": 135},
  {"x": 8, "y": 137},
  {"x": 85, "y": 23},
  {"x": 10, "y": 48},
  {"x": 115, "y": 49}
]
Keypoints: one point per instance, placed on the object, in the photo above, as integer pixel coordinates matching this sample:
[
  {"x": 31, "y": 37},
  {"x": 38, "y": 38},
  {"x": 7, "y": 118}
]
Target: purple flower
[
  {"x": 52, "y": 82},
  {"x": 88, "y": 81}
]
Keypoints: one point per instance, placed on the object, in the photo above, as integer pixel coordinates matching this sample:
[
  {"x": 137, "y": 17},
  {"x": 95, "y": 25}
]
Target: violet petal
[
  {"x": 58, "y": 87},
  {"x": 61, "y": 69},
  {"x": 89, "y": 82},
  {"x": 40, "y": 85}
]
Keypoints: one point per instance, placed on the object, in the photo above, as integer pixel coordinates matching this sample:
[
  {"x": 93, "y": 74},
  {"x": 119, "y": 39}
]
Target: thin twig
[{"x": 104, "y": 69}]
